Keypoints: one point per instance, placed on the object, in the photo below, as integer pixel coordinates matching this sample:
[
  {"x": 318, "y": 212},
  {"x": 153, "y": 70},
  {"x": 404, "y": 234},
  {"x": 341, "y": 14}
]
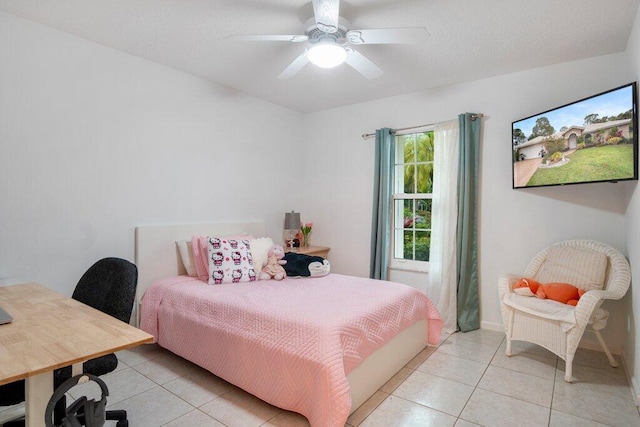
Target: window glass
[{"x": 413, "y": 191}]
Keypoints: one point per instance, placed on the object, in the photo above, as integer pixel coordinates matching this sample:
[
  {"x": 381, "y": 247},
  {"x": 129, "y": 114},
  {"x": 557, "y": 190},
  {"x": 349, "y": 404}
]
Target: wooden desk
[{"x": 50, "y": 331}]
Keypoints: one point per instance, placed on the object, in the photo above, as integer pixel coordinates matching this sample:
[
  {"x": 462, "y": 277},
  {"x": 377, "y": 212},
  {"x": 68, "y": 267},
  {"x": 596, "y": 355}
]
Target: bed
[{"x": 288, "y": 356}]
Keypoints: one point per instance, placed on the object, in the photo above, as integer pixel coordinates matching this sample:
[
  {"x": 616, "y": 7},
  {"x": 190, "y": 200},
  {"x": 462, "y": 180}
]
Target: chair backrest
[
  {"x": 618, "y": 272},
  {"x": 109, "y": 285}
]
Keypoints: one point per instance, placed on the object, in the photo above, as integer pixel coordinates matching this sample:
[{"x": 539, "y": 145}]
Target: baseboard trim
[
  {"x": 634, "y": 386},
  {"x": 492, "y": 326},
  {"x": 635, "y": 389}
]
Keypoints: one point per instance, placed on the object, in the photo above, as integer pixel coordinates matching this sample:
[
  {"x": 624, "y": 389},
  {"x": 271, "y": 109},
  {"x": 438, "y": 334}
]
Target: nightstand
[{"x": 321, "y": 251}]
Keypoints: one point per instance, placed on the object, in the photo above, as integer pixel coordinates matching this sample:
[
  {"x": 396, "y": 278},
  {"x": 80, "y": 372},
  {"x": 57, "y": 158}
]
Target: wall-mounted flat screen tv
[{"x": 591, "y": 140}]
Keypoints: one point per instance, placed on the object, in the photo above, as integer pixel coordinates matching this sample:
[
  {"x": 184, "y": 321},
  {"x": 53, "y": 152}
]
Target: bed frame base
[{"x": 385, "y": 362}]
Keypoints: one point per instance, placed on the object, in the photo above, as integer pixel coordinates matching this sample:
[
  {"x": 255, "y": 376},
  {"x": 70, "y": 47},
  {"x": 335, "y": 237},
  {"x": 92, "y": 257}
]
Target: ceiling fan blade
[
  {"x": 295, "y": 38},
  {"x": 293, "y": 68},
  {"x": 327, "y": 13},
  {"x": 388, "y": 36},
  {"x": 362, "y": 64}
]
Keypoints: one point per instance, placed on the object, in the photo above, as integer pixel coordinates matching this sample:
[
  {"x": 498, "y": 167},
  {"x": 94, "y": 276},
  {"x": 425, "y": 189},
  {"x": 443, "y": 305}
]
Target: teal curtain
[
  {"x": 467, "y": 235},
  {"x": 382, "y": 199}
]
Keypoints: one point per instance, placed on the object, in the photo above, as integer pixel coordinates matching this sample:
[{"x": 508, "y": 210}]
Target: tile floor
[{"x": 467, "y": 380}]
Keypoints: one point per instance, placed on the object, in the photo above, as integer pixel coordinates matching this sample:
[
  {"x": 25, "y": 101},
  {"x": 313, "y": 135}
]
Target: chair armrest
[
  {"x": 589, "y": 302},
  {"x": 505, "y": 286},
  {"x": 506, "y": 283}
]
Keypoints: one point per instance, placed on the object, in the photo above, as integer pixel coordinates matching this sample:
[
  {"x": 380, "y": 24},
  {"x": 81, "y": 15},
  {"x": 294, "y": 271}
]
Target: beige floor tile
[
  {"x": 120, "y": 366},
  {"x": 528, "y": 363},
  {"x": 198, "y": 387},
  {"x": 480, "y": 336},
  {"x": 366, "y": 408},
  {"x": 468, "y": 349},
  {"x": 595, "y": 359},
  {"x": 287, "y": 419},
  {"x": 420, "y": 357},
  {"x": 491, "y": 409},
  {"x": 140, "y": 354},
  {"x": 154, "y": 407},
  {"x": 397, "y": 412},
  {"x": 518, "y": 347},
  {"x": 560, "y": 419},
  {"x": 240, "y": 409},
  {"x": 454, "y": 368},
  {"x": 518, "y": 385},
  {"x": 165, "y": 367},
  {"x": 443, "y": 337},
  {"x": 464, "y": 423},
  {"x": 122, "y": 384},
  {"x": 435, "y": 392},
  {"x": 396, "y": 380},
  {"x": 601, "y": 407},
  {"x": 606, "y": 380},
  {"x": 194, "y": 418}
]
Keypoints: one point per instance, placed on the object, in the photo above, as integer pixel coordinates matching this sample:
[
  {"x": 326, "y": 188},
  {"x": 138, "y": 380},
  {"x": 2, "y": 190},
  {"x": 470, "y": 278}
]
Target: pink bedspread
[{"x": 290, "y": 343}]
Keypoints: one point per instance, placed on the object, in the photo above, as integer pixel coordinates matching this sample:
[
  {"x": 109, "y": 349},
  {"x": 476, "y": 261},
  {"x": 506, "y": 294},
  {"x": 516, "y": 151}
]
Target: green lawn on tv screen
[{"x": 603, "y": 163}]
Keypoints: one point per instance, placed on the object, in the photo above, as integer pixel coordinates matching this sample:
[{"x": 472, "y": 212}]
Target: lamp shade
[{"x": 292, "y": 220}]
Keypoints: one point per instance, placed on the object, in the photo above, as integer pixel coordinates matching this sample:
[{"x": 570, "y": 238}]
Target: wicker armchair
[{"x": 559, "y": 327}]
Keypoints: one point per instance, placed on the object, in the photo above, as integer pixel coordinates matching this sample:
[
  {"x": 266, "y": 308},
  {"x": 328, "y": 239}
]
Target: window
[{"x": 412, "y": 200}]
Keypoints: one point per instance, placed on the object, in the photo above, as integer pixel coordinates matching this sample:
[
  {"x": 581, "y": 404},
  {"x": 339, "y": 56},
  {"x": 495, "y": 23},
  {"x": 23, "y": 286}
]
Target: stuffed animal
[
  {"x": 561, "y": 292},
  {"x": 273, "y": 268},
  {"x": 301, "y": 265}
]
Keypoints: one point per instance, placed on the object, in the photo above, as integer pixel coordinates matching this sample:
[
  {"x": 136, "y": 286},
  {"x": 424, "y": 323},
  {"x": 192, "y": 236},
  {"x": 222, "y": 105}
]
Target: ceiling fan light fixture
[{"x": 327, "y": 55}]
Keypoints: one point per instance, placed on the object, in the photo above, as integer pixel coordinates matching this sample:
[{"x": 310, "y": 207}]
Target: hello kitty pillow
[
  {"x": 229, "y": 261},
  {"x": 201, "y": 256}
]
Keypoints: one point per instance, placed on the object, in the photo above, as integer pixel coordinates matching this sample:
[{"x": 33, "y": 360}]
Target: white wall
[
  {"x": 514, "y": 225},
  {"x": 632, "y": 347},
  {"x": 94, "y": 142}
]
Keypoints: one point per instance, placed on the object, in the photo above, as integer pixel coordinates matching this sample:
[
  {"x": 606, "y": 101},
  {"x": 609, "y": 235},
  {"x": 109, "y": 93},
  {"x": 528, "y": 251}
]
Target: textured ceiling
[{"x": 469, "y": 39}]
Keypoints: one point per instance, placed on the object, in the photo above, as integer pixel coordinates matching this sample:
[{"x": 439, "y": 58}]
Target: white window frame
[{"x": 398, "y": 217}]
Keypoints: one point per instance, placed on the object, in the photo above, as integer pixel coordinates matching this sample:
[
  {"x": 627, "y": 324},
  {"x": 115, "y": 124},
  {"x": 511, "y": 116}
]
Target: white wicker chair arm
[
  {"x": 587, "y": 305},
  {"x": 506, "y": 282},
  {"x": 505, "y": 285},
  {"x": 603, "y": 294}
]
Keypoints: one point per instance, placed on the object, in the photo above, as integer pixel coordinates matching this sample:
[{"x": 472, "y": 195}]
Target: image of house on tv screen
[{"x": 592, "y": 140}]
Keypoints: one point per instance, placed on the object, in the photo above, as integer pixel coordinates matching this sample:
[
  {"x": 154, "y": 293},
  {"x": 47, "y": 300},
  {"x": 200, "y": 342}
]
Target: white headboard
[{"x": 157, "y": 255}]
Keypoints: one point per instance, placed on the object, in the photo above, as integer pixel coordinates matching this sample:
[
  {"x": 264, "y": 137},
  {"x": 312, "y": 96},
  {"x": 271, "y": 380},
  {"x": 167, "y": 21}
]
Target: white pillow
[
  {"x": 186, "y": 255},
  {"x": 582, "y": 268},
  {"x": 259, "y": 249}
]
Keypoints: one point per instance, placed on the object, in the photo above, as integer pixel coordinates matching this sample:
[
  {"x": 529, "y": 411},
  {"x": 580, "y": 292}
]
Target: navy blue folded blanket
[{"x": 305, "y": 265}]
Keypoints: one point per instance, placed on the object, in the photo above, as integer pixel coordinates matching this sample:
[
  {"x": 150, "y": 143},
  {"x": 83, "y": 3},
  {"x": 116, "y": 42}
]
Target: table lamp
[{"x": 292, "y": 225}]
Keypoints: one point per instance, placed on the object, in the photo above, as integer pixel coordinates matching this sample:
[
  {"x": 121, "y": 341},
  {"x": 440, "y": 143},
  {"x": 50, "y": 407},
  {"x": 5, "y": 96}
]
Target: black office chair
[{"x": 109, "y": 285}]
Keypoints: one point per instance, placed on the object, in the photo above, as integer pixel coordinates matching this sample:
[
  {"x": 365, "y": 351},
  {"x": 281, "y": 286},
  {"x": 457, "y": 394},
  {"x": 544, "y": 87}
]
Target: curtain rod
[{"x": 369, "y": 135}]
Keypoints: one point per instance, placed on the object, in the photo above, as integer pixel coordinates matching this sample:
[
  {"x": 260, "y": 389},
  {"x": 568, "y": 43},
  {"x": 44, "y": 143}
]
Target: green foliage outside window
[{"x": 417, "y": 164}]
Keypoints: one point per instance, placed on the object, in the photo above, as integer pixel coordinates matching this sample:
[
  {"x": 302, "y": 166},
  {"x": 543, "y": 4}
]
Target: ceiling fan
[{"x": 330, "y": 41}]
